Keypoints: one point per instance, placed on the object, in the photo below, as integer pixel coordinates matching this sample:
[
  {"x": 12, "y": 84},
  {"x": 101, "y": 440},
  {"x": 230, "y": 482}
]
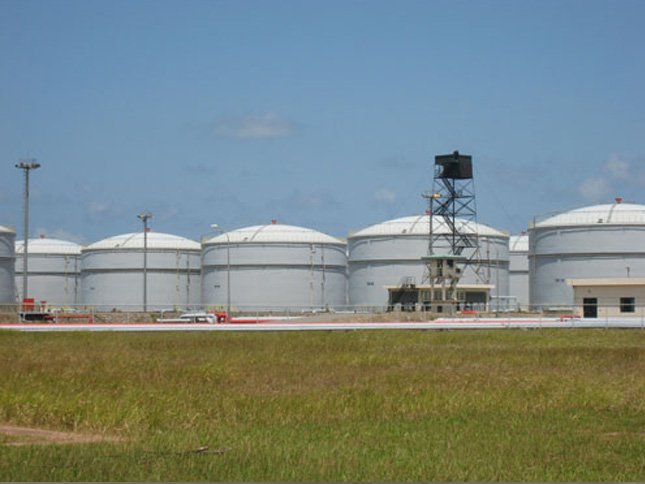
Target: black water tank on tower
[{"x": 455, "y": 166}]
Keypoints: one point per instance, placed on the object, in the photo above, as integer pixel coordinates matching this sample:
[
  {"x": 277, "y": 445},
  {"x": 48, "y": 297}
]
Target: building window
[{"x": 627, "y": 305}]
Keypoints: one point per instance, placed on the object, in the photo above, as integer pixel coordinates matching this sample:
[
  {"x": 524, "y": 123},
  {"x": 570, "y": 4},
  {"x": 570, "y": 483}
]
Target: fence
[{"x": 15, "y": 313}]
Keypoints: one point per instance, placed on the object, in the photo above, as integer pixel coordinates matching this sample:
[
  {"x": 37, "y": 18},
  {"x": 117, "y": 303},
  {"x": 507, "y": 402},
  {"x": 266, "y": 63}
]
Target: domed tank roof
[
  {"x": 156, "y": 240},
  {"x": 616, "y": 213},
  {"x": 420, "y": 225},
  {"x": 273, "y": 234},
  {"x": 519, "y": 243},
  {"x": 7, "y": 228},
  {"x": 49, "y": 246}
]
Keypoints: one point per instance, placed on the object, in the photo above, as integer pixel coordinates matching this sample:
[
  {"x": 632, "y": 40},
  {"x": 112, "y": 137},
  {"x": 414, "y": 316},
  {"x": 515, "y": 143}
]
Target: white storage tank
[
  {"x": 112, "y": 274},
  {"x": 274, "y": 267},
  {"x": 519, "y": 270},
  {"x": 598, "y": 241},
  {"x": 53, "y": 271},
  {"x": 389, "y": 253},
  {"x": 7, "y": 265}
]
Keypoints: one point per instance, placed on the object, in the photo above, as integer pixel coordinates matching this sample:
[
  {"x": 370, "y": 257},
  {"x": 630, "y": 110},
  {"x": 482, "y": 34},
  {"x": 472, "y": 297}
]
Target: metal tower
[{"x": 451, "y": 203}]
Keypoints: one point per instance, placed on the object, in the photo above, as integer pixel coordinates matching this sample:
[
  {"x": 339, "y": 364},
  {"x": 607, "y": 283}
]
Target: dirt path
[{"x": 29, "y": 436}]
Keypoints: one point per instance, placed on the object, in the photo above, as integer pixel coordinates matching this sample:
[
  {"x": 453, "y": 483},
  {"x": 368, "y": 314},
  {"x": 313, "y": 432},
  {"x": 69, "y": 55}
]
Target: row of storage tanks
[{"x": 279, "y": 266}]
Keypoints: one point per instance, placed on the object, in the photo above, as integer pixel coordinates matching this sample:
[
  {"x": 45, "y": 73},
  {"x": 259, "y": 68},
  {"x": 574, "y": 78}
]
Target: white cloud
[
  {"x": 384, "y": 195},
  {"x": 84, "y": 188},
  {"x": 170, "y": 213},
  {"x": 96, "y": 208},
  {"x": 100, "y": 212},
  {"x": 618, "y": 168},
  {"x": 222, "y": 194},
  {"x": 254, "y": 126},
  {"x": 595, "y": 189},
  {"x": 310, "y": 200},
  {"x": 200, "y": 169}
]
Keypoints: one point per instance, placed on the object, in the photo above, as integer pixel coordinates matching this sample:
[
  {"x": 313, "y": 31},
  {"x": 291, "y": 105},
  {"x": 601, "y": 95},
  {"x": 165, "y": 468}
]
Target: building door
[{"x": 590, "y": 307}]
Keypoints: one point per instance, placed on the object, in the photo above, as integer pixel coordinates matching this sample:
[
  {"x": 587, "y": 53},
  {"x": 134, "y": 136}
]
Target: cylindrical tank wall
[
  {"x": 48, "y": 281},
  {"x": 379, "y": 261},
  {"x": 7, "y": 265},
  {"x": 115, "y": 278},
  {"x": 557, "y": 254},
  {"x": 519, "y": 270},
  {"x": 274, "y": 275},
  {"x": 54, "y": 271}
]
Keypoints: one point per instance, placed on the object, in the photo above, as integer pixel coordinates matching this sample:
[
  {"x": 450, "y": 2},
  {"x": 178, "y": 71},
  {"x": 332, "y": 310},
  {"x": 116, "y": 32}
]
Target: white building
[{"x": 609, "y": 297}]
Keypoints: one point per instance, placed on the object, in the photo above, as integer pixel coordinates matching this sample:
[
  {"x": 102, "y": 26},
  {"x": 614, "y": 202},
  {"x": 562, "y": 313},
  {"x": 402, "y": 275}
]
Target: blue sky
[{"x": 325, "y": 114}]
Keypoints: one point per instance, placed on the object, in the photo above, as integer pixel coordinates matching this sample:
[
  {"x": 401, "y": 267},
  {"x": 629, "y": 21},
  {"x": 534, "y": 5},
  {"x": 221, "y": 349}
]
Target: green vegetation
[{"x": 333, "y": 406}]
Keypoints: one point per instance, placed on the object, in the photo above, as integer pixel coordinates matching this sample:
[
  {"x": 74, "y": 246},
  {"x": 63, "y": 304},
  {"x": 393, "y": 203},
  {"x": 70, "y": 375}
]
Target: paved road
[{"x": 500, "y": 323}]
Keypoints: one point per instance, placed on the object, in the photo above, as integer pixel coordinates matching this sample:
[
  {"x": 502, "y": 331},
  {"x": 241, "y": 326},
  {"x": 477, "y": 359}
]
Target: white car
[{"x": 191, "y": 318}]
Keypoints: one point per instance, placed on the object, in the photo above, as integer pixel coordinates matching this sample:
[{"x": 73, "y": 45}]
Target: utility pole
[
  {"x": 144, "y": 218},
  {"x": 26, "y": 164}
]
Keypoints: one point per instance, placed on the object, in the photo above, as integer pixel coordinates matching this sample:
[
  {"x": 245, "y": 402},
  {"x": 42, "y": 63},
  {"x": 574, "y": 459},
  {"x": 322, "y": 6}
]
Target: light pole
[
  {"x": 144, "y": 218},
  {"x": 228, "y": 269},
  {"x": 26, "y": 164}
]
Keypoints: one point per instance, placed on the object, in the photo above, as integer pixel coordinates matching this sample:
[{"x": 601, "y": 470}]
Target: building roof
[
  {"x": 420, "y": 225},
  {"x": 156, "y": 240},
  {"x": 616, "y": 213},
  {"x": 273, "y": 233},
  {"x": 49, "y": 246},
  {"x": 519, "y": 243},
  {"x": 460, "y": 286},
  {"x": 607, "y": 281}
]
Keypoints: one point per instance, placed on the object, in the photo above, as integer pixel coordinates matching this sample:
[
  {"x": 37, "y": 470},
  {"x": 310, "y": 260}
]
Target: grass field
[{"x": 335, "y": 406}]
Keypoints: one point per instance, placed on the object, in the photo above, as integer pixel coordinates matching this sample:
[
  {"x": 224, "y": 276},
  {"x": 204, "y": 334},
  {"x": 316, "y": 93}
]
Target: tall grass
[{"x": 333, "y": 406}]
